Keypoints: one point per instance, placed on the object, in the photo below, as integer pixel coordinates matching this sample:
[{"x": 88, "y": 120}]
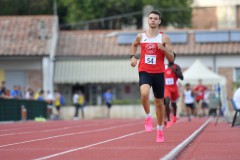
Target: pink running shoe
[
  {"x": 168, "y": 124},
  {"x": 148, "y": 124},
  {"x": 174, "y": 119},
  {"x": 160, "y": 136}
]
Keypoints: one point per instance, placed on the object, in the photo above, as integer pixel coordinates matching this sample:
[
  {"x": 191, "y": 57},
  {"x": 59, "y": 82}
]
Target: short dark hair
[{"x": 156, "y": 12}]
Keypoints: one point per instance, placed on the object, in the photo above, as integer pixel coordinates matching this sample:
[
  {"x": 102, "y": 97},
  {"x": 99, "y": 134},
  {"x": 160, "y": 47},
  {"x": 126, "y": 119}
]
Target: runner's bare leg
[
  {"x": 145, "y": 89},
  {"x": 160, "y": 110}
]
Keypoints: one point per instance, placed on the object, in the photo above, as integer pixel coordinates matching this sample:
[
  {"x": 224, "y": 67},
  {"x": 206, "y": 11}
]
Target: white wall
[
  {"x": 187, "y": 61},
  {"x": 117, "y": 111},
  {"x": 226, "y": 11},
  {"x": 21, "y": 64},
  {"x": 15, "y": 70},
  {"x": 213, "y": 3},
  {"x": 220, "y": 61},
  {"x": 228, "y": 61}
]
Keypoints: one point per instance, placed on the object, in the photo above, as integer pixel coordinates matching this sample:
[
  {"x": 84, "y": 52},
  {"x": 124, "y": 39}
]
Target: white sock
[
  {"x": 159, "y": 127},
  {"x": 149, "y": 115}
]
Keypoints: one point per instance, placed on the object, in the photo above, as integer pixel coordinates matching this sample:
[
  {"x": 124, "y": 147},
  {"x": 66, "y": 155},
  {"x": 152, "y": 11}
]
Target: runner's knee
[
  {"x": 159, "y": 102},
  {"x": 144, "y": 95},
  {"x": 167, "y": 101}
]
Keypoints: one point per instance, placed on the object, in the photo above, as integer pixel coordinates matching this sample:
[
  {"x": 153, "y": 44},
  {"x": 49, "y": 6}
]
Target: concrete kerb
[
  {"x": 174, "y": 152},
  {"x": 95, "y": 112}
]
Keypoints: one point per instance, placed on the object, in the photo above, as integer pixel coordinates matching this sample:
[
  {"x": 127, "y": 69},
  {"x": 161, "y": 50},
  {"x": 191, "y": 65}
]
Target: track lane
[
  {"x": 140, "y": 147},
  {"x": 216, "y": 142},
  {"x": 11, "y": 140},
  {"x": 31, "y": 149},
  {"x": 105, "y": 144}
]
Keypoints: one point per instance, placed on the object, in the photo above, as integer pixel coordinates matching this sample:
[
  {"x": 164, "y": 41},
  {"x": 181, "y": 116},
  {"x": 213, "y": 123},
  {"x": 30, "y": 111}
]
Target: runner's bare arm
[
  {"x": 166, "y": 47},
  {"x": 178, "y": 71},
  {"x": 134, "y": 46}
]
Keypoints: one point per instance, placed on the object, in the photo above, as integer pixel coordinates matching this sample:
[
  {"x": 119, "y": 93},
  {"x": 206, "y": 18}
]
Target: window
[
  {"x": 237, "y": 74},
  {"x": 236, "y": 82}
]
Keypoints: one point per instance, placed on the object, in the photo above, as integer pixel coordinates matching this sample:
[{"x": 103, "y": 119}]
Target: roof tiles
[
  {"x": 99, "y": 43},
  {"x": 25, "y": 35}
]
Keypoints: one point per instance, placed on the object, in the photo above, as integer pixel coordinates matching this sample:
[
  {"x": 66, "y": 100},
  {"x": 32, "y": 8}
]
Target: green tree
[
  {"x": 175, "y": 12},
  {"x": 26, "y": 7},
  {"x": 78, "y": 12},
  {"x": 101, "y": 14}
]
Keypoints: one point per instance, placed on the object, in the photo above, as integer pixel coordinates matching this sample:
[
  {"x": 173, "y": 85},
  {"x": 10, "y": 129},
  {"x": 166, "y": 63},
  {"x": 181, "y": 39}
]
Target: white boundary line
[
  {"x": 51, "y": 130},
  {"x": 7, "y": 122},
  {"x": 69, "y": 134},
  {"x": 41, "y": 124},
  {"x": 174, "y": 152},
  {"x": 23, "y": 127},
  {"x": 45, "y": 131},
  {"x": 49, "y": 124},
  {"x": 91, "y": 145}
]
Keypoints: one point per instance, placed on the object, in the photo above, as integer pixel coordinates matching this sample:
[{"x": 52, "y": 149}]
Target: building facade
[
  {"x": 97, "y": 60},
  {"x": 216, "y": 14},
  {"x": 27, "y": 48}
]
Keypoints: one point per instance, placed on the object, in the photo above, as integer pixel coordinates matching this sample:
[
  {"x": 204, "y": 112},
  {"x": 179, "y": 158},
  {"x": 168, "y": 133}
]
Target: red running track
[
  {"x": 216, "y": 142},
  {"x": 108, "y": 139}
]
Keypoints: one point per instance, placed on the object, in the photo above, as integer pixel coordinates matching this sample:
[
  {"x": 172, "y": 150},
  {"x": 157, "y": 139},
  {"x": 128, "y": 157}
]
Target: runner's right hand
[{"x": 133, "y": 61}]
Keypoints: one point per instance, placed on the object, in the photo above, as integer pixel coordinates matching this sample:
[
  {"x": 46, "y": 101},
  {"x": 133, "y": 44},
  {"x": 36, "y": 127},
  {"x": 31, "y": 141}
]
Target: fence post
[{"x": 23, "y": 113}]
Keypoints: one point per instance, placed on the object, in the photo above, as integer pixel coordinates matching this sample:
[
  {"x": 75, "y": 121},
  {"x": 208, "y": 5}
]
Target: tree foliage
[
  {"x": 175, "y": 12},
  {"x": 84, "y": 10},
  {"x": 26, "y": 7},
  {"x": 101, "y": 14}
]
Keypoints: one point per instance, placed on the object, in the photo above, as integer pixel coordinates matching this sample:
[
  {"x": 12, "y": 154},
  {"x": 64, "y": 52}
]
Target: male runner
[
  {"x": 200, "y": 90},
  {"x": 172, "y": 73},
  {"x": 188, "y": 98},
  {"x": 155, "y": 45}
]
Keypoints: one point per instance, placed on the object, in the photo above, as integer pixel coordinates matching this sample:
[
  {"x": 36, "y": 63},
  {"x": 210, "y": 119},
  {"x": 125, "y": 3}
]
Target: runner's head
[
  {"x": 188, "y": 86},
  {"x": 154, "y": 19}
]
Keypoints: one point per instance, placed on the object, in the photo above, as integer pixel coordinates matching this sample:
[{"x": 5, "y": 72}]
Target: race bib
[
  {"x": 169, "y": 81},
  {"x": 150, "y": 59}
]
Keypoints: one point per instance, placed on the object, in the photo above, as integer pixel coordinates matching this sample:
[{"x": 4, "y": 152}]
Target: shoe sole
[
  {"x": 148, "y": 130},
  {"x": 160, "y": 141}
]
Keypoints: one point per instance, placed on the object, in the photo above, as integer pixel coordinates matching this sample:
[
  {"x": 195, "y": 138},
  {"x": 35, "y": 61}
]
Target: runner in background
[
  {"x": 171, "y": 94},
  {"x": 108, "y": 97},
  {"x": 199, "y": 92},
  {"x": 188, "y": 98}
]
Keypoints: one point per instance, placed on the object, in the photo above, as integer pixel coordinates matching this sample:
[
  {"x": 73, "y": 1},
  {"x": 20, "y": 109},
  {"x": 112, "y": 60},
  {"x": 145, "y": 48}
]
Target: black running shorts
[
  {"x": 190, "y": 105},
  {"x": 155, "y": 80}
]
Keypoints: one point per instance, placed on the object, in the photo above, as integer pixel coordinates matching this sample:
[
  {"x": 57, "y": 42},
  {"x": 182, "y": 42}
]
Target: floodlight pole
[{"x": 54, "y": 7}]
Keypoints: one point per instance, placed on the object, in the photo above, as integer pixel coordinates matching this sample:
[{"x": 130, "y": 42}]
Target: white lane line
[
  {"x": 88, "y": 146},
  {"x": 45, "y": 131},
  {"x": 23, "y": 127},
  {"x": 174, "y": 152},
  {"x": 7, "y": 122},
  {"x": 68, "y": 134},
  {"x": 50, "y": 130},
  {"x": 26, "y": 125}
]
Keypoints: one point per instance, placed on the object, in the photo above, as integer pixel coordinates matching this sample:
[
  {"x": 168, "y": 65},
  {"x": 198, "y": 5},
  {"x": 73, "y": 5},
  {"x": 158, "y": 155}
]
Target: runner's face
[{"x": 153, "y": 21}]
